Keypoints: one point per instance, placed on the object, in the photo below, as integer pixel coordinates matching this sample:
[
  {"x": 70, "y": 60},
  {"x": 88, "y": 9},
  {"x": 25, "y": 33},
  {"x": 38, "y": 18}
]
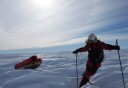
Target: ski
[{"x": 91, "y": 83}]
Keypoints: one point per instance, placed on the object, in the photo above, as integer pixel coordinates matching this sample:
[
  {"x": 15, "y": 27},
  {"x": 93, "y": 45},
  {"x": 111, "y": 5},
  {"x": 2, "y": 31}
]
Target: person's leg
[
  {"x": 90, "y": 71},
  {"x": 86, "y": 77},
  {"x": 83, "y": 81}
]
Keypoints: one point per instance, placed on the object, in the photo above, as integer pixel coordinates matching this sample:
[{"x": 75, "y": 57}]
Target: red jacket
[{"x": 95, "y": 50}]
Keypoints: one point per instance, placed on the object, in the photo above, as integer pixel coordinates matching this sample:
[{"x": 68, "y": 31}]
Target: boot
[{"x": 83, "y": 82}]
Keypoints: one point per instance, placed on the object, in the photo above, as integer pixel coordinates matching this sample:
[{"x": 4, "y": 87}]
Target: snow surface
[{"x": 58, "y": 70}]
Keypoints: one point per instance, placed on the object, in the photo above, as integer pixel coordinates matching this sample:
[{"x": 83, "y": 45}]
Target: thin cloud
[{"x": 25, "y": 25}]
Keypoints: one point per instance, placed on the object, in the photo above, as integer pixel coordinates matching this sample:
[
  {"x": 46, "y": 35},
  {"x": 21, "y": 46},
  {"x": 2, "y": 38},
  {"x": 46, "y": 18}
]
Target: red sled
[{"x": 30, "y": 63}]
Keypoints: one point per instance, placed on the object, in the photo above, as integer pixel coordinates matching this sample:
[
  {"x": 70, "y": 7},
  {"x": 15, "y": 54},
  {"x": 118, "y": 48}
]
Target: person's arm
[
  {"x": 109, "y": 47},
  {"x": 82, "y": 49}
]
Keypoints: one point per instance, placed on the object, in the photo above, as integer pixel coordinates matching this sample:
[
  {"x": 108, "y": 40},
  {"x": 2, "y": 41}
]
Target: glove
[
  {"x": 118, "y": 47},
  {"x": 76, "y": 51}
]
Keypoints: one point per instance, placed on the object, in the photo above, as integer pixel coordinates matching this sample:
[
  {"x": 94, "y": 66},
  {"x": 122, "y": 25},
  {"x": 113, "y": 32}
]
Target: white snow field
[{"x": 58, "y": 70}]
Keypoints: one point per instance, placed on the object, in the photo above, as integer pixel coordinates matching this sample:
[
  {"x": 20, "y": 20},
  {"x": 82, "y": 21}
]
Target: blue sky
[{"x": 54, "y": 23}]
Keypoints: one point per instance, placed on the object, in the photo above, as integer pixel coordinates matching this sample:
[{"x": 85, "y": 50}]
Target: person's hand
[
  {"x": 118, "y": 47},
  {"x": 76, "y": 51}
]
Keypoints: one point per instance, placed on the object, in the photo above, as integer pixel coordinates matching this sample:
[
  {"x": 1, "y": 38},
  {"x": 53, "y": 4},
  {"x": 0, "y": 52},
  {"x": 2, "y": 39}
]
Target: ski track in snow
[{"x": 58, "y": 70}]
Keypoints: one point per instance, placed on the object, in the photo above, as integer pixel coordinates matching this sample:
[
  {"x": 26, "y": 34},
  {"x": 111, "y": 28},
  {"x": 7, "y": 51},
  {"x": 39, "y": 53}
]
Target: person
[{"x": 95, "y": 49}]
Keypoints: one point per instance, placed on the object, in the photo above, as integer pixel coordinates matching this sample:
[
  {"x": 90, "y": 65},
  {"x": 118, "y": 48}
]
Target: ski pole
[
  {"x": 120, "y": 64},
  {"x": 77, "y": 71}
]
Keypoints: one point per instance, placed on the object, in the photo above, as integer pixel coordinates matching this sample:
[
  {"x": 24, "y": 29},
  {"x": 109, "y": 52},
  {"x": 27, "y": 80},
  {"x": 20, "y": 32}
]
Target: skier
[{"x": 95, "y": 56}]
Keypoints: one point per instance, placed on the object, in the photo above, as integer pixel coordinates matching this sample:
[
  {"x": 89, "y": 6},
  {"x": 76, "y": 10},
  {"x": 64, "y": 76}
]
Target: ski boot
[{"x": 83, "y": 82}]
